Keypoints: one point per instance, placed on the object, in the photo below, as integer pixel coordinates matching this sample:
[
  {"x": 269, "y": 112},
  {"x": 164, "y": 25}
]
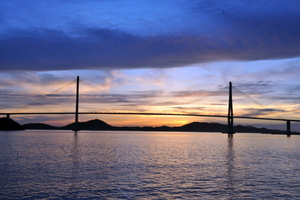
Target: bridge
[{"x": 104, "y": 107}]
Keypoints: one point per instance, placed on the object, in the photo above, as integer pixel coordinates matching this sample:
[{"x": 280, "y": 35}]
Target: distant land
[
  {"x": 97, "y": 124},
  {"x": 9, "y": 124}
]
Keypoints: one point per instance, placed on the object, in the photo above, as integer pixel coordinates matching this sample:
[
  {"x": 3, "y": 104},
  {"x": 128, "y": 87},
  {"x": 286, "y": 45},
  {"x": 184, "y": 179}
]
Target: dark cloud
[
  {"x": 48, "y": 36},
  {"x": 245, "y": 39}
]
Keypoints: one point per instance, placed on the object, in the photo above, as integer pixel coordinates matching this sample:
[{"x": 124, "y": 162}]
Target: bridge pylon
[
  {"x": 288, "y": 127},
  {"x": 230, "y": 112},
  {"x": 77, "y": 106}
]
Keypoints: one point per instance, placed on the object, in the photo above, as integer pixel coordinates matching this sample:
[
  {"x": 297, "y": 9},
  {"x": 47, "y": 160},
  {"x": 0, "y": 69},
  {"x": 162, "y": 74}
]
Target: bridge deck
[{"x": 132, "y": 113}]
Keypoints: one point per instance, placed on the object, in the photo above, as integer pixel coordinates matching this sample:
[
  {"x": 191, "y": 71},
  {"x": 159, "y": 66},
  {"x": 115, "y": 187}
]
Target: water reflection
[
  {"x": 230, "y": 164},
  {"x": 75, "y": 168}
]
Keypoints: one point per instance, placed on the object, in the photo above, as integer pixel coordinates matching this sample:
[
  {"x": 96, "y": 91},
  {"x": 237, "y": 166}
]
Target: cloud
[
  {"x": 188, "y": 109},
  {"x": 199, "y": 93},
  {"x": 189, "y": 33},
  {"x": 240, "y": 89},
  {"x": 248, "y": 88}
]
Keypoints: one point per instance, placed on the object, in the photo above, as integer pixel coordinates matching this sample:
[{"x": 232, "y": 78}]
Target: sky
[{"x": 160, "y": 56}]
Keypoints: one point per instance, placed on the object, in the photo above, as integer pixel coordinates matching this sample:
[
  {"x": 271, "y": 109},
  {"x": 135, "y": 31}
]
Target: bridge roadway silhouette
[
  {"x": 137, "y": 113},
  {"x": 230, "y": 116}
]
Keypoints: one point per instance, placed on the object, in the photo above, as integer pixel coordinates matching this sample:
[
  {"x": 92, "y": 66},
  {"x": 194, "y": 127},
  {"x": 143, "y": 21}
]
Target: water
[{"x": 148, "y": 165}]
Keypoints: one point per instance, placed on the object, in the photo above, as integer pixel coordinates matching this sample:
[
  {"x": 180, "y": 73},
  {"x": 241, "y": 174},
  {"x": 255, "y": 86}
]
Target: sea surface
[{"x": 148, "y": 165}]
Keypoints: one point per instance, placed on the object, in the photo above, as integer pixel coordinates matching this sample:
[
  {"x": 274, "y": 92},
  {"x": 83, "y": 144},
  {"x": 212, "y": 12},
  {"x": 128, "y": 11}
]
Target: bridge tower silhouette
[
  {"x": 77, "y": 105},
  {"x": 230, "y": 112}
]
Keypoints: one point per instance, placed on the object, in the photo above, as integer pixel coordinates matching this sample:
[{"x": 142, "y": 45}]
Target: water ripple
[{"x": 147, "y": 165}]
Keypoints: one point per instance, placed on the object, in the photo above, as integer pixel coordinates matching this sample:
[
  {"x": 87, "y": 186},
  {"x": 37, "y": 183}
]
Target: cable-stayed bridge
[{"x": 80, "y": 98}]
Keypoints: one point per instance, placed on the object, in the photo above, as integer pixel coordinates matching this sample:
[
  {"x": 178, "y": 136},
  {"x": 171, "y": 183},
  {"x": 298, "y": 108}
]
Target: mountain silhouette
[
  {"x": 97, "y": 124},
  {"x": 204, "y": 127},
  {"x": 9, "y": 124},
  {"x": 94, "y": 124},
  {"x": 38, "y": 126}
]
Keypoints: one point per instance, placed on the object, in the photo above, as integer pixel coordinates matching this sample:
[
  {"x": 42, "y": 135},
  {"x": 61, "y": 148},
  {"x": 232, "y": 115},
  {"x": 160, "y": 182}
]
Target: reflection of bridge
[{"x": 229, "y": 114}]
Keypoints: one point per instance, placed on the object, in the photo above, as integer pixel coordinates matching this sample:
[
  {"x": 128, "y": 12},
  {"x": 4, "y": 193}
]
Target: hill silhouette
[
  {"x": 9, "y": 124},
  {"x": 94, "y": 124},
  {"x": 38, "y": 126},
  {"x": 97, "y": 124},
  {"x": 203, "y": 126}
]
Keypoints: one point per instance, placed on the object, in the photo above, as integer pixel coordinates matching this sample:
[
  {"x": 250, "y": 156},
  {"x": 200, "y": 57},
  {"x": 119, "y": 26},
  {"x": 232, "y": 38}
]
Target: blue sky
[{"x": 155, "y": 47}]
